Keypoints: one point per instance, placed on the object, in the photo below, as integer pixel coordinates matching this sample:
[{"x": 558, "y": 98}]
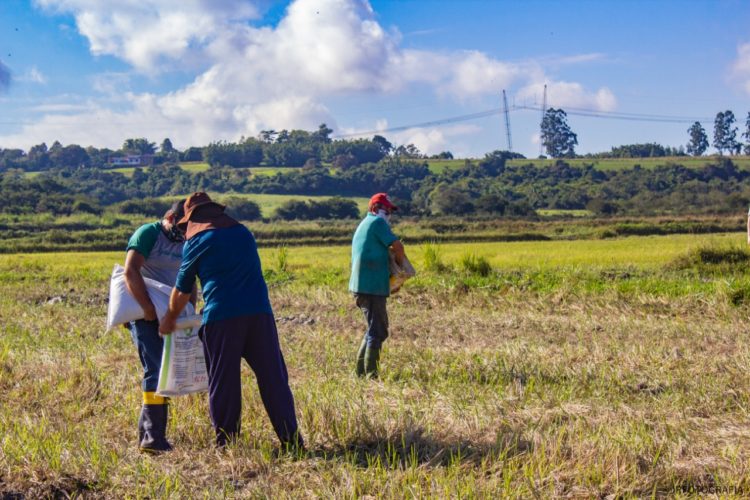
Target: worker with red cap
[{"x": 370, "y": 277}]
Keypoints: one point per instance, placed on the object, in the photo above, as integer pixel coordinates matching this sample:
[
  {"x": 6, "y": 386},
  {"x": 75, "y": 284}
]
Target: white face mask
[{"x": 384, "y": 215}]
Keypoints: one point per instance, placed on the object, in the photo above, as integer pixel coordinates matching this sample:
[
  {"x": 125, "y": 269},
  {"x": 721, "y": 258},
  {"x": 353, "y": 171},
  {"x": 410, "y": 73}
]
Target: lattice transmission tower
[{"x": 507, "y": 122}]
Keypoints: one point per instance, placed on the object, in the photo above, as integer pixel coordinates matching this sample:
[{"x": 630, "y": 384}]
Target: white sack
[
  {"x": 123, "y": 308},
  {"x": 399, "y": 274},
  {"x": 183, "y": 365}
]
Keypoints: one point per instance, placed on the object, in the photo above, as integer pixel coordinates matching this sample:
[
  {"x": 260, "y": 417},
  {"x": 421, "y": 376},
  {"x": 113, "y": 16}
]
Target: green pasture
[
  {"x": 440, "y": 166},
  {"x": 626, "y": 163},
  {"x": 270, "y": 202}
]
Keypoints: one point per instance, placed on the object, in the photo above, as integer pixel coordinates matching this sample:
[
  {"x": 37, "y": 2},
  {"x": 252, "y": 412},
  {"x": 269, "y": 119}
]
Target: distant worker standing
[
  {"x": 369, "y": 280},
  {"x": 154, "y": 251},
  {"x": 238, "y": 321}
]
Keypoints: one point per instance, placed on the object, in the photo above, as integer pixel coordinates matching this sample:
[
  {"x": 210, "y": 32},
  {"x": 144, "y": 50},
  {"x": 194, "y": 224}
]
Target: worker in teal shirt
[{"x": 370, "y": 278}]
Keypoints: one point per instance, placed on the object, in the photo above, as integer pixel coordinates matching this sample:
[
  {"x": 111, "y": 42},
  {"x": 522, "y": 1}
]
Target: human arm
[
  {"x": 136, "y": 285},
  {"x": 177, "y": 302},
  {"x": 748, "y": 228},
  {"x": 398, "y": 252},
  {"x": 185, "y": 289}
]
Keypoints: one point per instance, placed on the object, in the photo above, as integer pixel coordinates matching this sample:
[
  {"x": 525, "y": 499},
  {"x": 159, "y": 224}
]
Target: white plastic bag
[
  {"x": 183, "y": 365},
  {"x": 399, "y": 274},
  {"x": 123, "y": 308}
]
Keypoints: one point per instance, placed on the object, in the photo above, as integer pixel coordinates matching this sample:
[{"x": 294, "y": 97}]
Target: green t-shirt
[
  {"x": 163, "y": 257},
  {"x": 370, "y": 257}
]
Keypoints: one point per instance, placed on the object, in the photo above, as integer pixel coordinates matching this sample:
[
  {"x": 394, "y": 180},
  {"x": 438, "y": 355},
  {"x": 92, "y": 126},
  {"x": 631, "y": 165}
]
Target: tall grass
[{"x": 432, "y": 258}]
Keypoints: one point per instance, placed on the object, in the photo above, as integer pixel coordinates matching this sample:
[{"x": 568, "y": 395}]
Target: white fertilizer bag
[
  {"x": 183, "y": 365},
  {"x": 123, "y": 308},
  {"x": 399, "y": 274}
]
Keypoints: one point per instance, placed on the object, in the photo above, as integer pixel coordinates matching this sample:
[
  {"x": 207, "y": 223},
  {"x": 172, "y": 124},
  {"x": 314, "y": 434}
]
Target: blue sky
[{"x": 95, "y": 72}]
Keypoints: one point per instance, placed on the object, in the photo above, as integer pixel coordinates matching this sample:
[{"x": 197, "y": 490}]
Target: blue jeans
[
  {"x": 150, "y": 345},
  {"x": 376, "y": 316}
]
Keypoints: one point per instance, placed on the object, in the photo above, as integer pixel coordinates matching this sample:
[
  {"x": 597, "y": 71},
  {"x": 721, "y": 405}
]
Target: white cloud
[
  {"x": 474, "y": 73},
  {"x": 741, "y": 66},
  {"x": 33, "y": 75},
  {"x": 434, "y": 140},
  {"x": 147, "y": 32},
  {"x": 253, "y": 78},
  {"x": 570, "y": 94}
]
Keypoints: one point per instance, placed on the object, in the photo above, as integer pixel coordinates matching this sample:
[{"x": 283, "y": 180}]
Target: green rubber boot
[
  {"x": 361, "y": 358},
  {"x": 372, "y": 361}
]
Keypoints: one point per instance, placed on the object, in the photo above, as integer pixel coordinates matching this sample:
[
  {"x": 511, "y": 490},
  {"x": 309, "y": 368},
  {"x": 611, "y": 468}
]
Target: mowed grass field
[
  {"x": 743, "y": 162},
  {"x": 613, "y": 368}
]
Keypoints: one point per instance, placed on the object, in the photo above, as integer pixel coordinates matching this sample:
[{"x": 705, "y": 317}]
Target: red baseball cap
[{"x": 382, "y": 199}]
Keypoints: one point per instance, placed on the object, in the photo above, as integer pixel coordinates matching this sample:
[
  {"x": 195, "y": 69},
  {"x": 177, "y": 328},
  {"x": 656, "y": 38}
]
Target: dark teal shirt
[
  {"x": 227, "y": 263},
  {"x": 370, "y": 244}
]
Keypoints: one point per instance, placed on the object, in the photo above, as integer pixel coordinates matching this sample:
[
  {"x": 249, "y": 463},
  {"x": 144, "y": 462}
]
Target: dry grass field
[{"x": 533, "y": 378}]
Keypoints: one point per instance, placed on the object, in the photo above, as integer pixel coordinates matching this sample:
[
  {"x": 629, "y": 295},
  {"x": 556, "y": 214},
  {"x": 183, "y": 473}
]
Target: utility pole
[
  {"x": 544, "y": 110},
  {"x": 507, "y": 122}
]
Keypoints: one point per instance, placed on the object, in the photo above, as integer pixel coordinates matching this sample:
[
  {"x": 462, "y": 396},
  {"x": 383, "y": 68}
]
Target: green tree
[
  {"x": 140, "y": 146},
  {"x": 385, "y": 146},
  {"x": 746, "y": 135},
  {"x": 698, "y": 140},
  {"x": 166, "y": 146},
  {"x": 725, "y": 133},
  {"x": 407, "y": 151},
  {"x": 557, "y": 137}
]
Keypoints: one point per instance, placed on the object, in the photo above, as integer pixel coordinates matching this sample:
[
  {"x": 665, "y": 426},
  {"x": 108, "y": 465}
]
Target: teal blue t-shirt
[
  {"x": 227, "y": 263},
  {"x": 370, "y": 257}
]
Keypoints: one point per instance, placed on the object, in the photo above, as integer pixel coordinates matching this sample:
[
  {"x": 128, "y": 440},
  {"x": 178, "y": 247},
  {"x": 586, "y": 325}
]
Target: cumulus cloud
[
  {"x": 432, "y": 141},
  {"x": 741, "y": 66},
  {"x": 570, "y": 94},
  {"x": 148, "y": 32},
  {"x": 251, "y": 78},
  {"x": 4, "y": 77}
]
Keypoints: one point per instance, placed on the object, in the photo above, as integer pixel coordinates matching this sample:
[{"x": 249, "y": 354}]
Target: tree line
[
  {"x": 559, "y": 140},
  {"x": 487, "y": 187},
  {"x": 298, "y": 148}
]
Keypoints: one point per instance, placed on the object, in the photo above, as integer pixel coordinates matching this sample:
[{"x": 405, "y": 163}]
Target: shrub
[
  {"x": 475, "y": 264},
  {"x": 710, "y": 257},
  {"x": 241, "y": 208},
  {"x": 153, "y": 207},
  {"x": 332, "y": 208}
]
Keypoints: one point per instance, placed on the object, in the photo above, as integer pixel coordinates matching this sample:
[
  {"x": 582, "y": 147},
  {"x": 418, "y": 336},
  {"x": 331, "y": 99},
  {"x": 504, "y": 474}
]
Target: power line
[
  {"x": 617, "y": 115},
  {"x": 590, "y": 113}
]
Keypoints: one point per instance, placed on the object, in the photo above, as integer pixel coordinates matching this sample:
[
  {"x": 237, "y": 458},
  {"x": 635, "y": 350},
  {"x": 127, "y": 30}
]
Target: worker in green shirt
[{"x": 370, "y": 278}]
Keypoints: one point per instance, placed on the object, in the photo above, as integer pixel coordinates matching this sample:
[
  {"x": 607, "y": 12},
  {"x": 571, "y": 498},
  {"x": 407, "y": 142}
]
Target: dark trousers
[
  {"x": 254, "y": 339},
  {"x": 376, "y": 316},
  {"x": 146, "y": 337}
]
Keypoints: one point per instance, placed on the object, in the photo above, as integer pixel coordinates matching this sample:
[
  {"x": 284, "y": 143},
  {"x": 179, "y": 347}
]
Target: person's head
[
  {"x": 171, "y": 218},
  {"x": 202, "y": 213},
  {"x": 381, "y": 202}
]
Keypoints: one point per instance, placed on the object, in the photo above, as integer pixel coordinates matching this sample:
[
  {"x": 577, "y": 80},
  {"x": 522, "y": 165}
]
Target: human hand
[{"x": 167, "y": 325}]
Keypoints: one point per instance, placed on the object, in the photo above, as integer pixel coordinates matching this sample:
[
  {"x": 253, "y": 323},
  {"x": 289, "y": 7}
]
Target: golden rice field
[{"x": 614, "y": 368}]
